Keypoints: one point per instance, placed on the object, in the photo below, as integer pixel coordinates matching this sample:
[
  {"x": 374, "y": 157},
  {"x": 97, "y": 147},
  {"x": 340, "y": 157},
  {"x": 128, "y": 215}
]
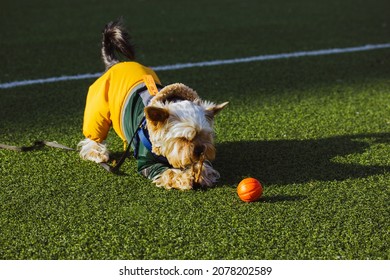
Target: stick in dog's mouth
[{"x": 197, "y": 175}]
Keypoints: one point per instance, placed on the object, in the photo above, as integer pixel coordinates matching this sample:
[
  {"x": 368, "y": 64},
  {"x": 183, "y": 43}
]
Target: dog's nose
[{"x": 199, "y": 150}]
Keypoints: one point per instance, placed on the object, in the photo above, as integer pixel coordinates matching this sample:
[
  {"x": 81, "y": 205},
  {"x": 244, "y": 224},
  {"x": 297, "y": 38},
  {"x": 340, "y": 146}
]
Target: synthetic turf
[{"x": 315, "y": 131}]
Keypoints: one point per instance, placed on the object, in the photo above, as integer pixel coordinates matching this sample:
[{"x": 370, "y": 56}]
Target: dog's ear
[
  {"x": 215, "y": 109},
  {"x": 156, "y": 114}
]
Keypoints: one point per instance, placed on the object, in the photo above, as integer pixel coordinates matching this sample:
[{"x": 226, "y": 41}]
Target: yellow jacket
[{"x": 106, "y": 98}]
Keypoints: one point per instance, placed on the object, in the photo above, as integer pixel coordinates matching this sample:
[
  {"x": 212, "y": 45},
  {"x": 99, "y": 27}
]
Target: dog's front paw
[
  {"x": 93, "y": 151},
  {"x": 204, "y": 174},
  {"x": 175, "y": 179}
]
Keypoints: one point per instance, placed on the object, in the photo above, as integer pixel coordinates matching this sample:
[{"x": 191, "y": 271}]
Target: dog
[{"x": 170, "y": 128}]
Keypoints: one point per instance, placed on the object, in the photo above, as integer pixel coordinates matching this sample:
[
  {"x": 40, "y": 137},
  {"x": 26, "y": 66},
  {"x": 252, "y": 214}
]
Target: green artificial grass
[{"x": 315, "y": 131}]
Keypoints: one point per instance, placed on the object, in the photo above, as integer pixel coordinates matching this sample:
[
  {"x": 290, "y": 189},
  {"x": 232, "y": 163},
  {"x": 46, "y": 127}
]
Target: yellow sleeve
[{"x": 97, "y": 121}]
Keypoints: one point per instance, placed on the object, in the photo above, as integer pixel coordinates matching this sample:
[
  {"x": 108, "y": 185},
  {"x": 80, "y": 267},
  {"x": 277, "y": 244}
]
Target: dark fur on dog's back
[{"x": 116, "y": 39}]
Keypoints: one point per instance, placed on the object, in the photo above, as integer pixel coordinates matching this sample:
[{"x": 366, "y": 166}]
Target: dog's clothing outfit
[{"x": 118, "y": 98}]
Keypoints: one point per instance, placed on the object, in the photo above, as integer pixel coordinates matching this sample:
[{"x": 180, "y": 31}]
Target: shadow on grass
[
  {"x": 297, "y": 161},
  {"x": 282, "y": 198}
]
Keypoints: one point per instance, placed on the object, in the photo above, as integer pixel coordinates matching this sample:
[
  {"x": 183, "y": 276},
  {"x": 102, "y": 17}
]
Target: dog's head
[{"x": 180, "y": 125}]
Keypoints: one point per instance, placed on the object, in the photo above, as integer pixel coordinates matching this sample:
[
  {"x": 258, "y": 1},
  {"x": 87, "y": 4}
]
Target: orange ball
[{"x": 249, "y": 190}]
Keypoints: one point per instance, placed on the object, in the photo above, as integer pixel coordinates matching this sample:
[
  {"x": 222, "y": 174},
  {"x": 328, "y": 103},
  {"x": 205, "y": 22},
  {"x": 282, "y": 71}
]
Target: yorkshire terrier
[{"x": 169, "y": 128}]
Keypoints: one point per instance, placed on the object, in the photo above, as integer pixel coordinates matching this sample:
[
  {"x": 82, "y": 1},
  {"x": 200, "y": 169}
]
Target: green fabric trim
[{"x": 132, "y": 116}]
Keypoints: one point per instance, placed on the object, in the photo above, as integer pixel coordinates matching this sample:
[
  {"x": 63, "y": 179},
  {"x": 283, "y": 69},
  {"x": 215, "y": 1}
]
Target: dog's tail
[{"x": 116, "y": 40}]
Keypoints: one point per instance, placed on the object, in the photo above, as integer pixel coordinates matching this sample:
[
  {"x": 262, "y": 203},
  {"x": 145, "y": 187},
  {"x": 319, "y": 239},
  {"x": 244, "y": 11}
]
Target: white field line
[{"x": 179, "y": 66}]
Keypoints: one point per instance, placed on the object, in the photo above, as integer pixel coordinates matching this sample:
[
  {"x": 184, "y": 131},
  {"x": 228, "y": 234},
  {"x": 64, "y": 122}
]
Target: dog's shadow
[{"x": 282, "y": 162}]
